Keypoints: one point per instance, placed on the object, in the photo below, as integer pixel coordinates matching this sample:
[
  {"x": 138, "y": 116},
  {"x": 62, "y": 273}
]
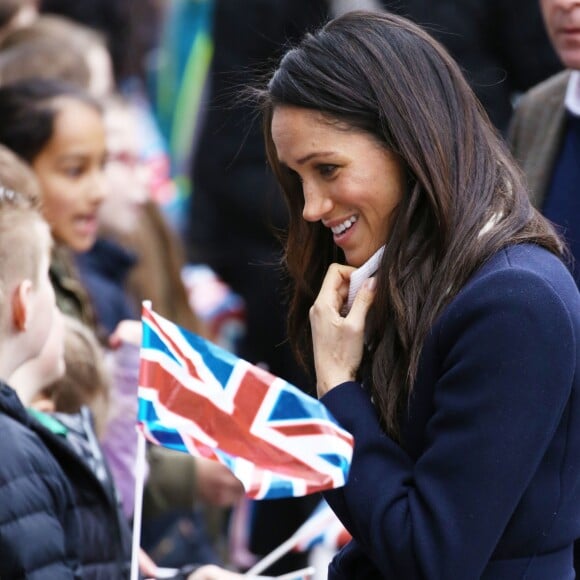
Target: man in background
[{"x": 545, "y": 131}]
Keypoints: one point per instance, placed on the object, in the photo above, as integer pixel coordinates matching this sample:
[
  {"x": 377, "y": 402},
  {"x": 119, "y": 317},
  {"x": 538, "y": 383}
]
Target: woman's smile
[{"x": 350, "y": 182}]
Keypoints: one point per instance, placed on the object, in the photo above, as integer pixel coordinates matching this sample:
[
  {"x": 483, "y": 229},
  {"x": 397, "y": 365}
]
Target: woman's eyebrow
[{"x": 308, "y": 157}]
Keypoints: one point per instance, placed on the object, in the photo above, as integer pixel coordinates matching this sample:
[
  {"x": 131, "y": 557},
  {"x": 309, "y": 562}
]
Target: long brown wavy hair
[{"x": 382, "y": 74}]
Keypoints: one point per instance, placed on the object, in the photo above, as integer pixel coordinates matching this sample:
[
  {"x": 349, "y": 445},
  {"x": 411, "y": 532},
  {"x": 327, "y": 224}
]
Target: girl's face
[
  {"x": 349, "y": 181},
  {"x": 125, "y": 172},
  {"x": 70, "y": 172}
]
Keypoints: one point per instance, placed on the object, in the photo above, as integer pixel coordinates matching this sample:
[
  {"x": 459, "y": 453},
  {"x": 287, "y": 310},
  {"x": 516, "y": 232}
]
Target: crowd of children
[{"x": 82, "y": 244}]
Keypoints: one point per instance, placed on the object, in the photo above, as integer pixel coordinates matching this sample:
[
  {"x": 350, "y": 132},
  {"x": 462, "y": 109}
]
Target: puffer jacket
[
  {"x": 57, "y": 519},
  {"x": 39, "y": 524}
]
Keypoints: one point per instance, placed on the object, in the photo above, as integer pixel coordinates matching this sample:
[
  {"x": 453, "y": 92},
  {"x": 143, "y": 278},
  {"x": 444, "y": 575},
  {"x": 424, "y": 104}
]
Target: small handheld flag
[
  {"x": 200, "y": 399},
  {"x": 322, "y": 527}
]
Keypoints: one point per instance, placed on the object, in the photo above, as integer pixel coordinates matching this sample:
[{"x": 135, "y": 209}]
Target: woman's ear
[{"x": 22, "y": 305}]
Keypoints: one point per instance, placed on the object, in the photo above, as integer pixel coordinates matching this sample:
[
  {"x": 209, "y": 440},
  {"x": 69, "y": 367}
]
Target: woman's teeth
[{"x": 345, "y": 225}]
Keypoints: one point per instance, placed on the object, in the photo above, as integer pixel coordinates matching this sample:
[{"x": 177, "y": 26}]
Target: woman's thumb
[{"x": 364, "y": 297}]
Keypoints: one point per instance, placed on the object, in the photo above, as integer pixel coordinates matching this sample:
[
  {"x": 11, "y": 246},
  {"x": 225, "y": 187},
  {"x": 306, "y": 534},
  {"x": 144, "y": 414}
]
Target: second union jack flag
[{"x": 200, "y": 399}]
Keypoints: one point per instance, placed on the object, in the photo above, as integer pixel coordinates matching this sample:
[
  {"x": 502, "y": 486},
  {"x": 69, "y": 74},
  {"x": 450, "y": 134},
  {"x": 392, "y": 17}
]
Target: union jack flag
[
  {"x": 321, "y": 527},
  {"x": 201, "y": 399}
]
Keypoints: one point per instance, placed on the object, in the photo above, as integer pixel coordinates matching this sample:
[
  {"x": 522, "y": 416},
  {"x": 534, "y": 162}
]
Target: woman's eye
[{"x": 326, "y": 170}]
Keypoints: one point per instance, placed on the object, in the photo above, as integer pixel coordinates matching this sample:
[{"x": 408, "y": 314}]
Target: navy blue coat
[
  {"x": 57, "y": 520},
  {"x": 486, "y": 480},
  {"x": 39, "y": 527}
]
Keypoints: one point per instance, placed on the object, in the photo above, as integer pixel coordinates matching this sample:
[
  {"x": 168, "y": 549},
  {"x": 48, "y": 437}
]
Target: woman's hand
[{"x": 338, "y": 340}]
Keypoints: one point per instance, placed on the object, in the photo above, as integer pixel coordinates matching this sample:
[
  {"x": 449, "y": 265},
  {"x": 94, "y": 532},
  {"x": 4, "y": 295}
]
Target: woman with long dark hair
[{"x": 434, "y": 307}]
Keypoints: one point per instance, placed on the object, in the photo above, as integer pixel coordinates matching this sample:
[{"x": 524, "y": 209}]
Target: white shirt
[
  {"x": 358, "y": 277},
  {"x": 572, "y": 100}
]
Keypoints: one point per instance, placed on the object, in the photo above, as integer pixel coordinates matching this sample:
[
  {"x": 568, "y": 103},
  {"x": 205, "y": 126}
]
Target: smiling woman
[
  {"x": 465, "y": 337},
  {"x": 350, "y": 182}
]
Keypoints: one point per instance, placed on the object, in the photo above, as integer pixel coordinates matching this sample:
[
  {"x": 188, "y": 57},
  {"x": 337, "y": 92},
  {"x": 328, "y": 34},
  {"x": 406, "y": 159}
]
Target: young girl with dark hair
[{"x": 58, "y": 130}]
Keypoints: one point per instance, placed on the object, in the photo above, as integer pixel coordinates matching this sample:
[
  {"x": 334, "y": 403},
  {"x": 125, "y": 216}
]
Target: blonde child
[
  {"x": 58, "y": 516},
  {"x": 43, "y": 540}
]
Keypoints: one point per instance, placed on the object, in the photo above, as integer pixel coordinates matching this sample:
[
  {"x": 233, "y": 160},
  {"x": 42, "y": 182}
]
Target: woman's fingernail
[{"x": 371, "y": 283}]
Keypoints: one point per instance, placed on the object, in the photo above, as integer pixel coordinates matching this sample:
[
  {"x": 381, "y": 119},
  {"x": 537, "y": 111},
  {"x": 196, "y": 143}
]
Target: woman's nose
[{"x": 316, "y": 204}]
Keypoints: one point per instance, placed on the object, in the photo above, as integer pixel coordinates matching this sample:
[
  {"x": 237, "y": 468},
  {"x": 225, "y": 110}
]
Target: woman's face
[
  {"x": 349, "y": 181},
  {"x": 70, "y": 172}
]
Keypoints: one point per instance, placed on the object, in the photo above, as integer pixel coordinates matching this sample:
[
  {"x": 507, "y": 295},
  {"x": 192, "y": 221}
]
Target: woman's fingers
[
  {"x": 334, "y": 289},
  {"x": 338, "y": 340},
  {"x": 363, "y": 301}
]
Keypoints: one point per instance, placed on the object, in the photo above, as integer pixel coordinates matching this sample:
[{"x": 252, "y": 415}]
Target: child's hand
[
  {"x": 146, "y": 565},
  {"x": 129, "y": 331},
  {"x": 216, "y": 483}
]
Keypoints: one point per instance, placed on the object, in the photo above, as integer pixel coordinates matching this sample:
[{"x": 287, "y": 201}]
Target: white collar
[
  {"x": 360, "y": 275},
  {"x": 573, "y": 93}
]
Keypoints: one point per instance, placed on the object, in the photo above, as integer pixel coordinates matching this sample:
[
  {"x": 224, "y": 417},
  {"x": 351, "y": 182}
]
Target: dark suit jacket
[
  {"x": 485, "y": 483},
  {"x": 536, "y": 132}
]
